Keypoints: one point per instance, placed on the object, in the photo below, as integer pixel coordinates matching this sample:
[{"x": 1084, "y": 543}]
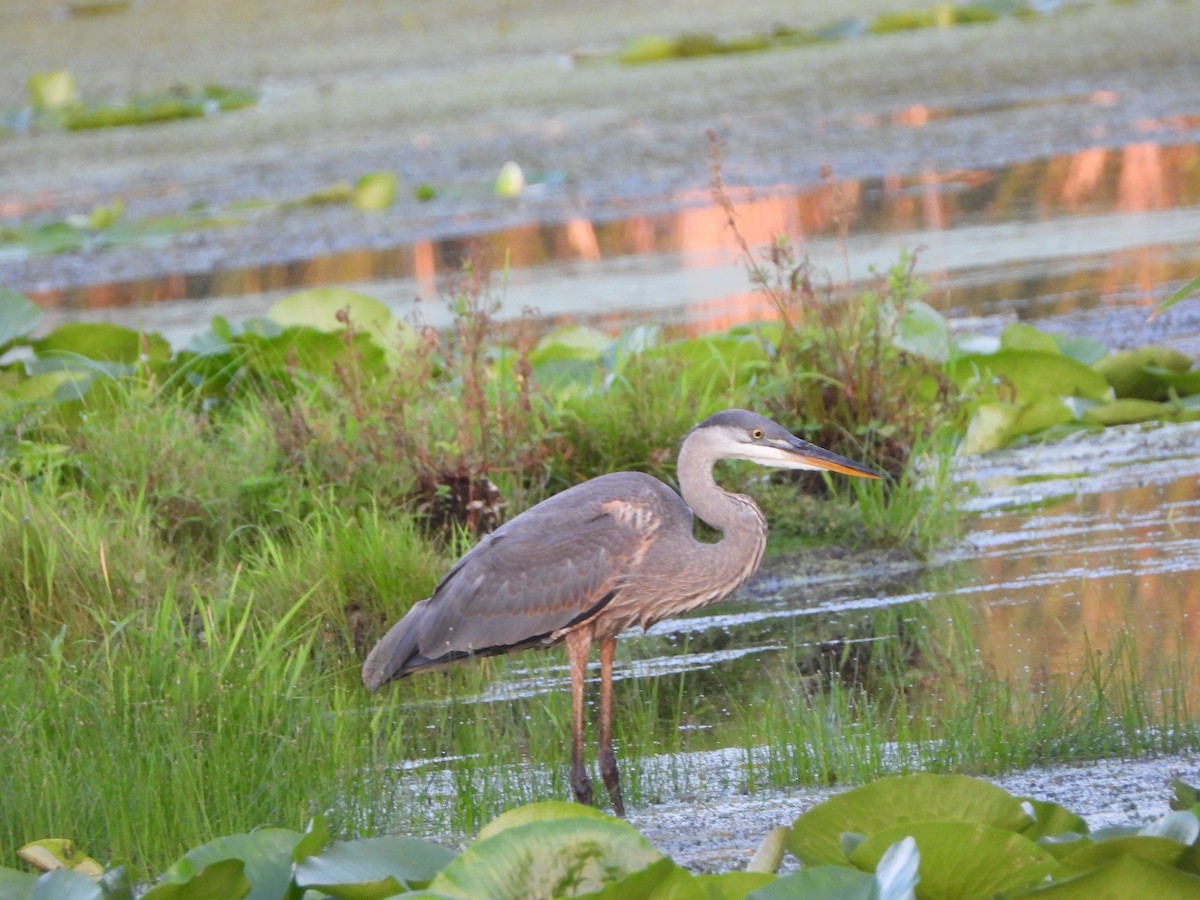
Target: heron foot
[
  {"x": 582, "y": 785},
  {"x": 612, "y": 779}
]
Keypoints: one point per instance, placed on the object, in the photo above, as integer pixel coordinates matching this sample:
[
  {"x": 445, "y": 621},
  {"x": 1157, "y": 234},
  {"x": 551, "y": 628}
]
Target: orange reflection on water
[
  {"x": 1135, "y": 179},
  {"x": 1095, "y": 572}
]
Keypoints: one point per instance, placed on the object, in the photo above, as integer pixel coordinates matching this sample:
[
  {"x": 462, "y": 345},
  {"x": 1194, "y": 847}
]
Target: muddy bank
[{"x": 418, "y": 93}]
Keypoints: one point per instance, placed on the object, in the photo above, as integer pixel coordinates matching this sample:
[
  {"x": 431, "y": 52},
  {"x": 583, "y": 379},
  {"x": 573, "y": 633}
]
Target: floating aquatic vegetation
[{"x": 55, "y": 101}]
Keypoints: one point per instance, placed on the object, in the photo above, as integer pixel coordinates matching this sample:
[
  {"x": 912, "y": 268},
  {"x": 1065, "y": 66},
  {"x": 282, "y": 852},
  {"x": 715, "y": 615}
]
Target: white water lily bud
[{"x": 511, "y": 181}]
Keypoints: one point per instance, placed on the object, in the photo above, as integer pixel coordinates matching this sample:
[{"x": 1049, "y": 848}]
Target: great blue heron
[{"x": 587, "y": 563}]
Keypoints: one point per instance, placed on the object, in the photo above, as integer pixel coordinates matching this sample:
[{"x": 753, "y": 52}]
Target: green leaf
[
  {"x": 658, "y": 881},
  {"x": 324, "y": 308},
  {"x": 53, "y": 237},
  {"x": 1127, "y": 411},
  {"x": 374, "y": 192},
  {"x": 1180, "y": 825},
  {"x": 15, "y": 885},
  {"x": 1039, "y": 414},
  {"x": 555, "y": 858},
  {"x": 1185, "y": 796},
  {"x": 1094, "y": 854},
  {"x": 990, "y": 428},
  {"x": 1081, "y": 349},
  {"x": 1052, "y": 820},
  {"x": 1031, "y": 373},
  {"x": 1019, "y": 336},
  {"x": 372, "y": 867},
  {"x": 924, "y": 331},
  {"x": 316, "y": 835},
  {"x": 48, "y": 854},
  {"x": 1183, "y": 293},
  {"x": 221, "y": 880},
  {"x": 820, "y": 883},
  {"x": 1135, "y": 373},
  {"x": 963, "y": 859},
  {"x": 896, "y": 800},
  {"x": 572, "y": 342},
  {"x": 18, "y": 316},
  {"x": 1127, "y": 877},
  {"x": 64, "y": 884},
  {"x": 104, "y": 342},
  {"x": 266, "y": 856}
]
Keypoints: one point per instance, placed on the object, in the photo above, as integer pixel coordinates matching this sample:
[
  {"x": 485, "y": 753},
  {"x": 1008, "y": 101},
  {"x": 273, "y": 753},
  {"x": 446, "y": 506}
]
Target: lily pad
[
  {"x": 924, "y": 331},
  {"x": 1019, "y": 336},
  {"x": 897, "y": 800},
  {"x": 103, "y": 342},
  {"x": 544, "y": 859},
  {"x": 1131, "y": 372},
  {"x": 264, "y": 858},
  {"x": 372, "y": 867},
  {"x": 220, "y": 880},
  {"x": 50, "y": 854},
  {"x": 323, "y": 308},
  {"x": 963, "y": 859},
  {"x": 18, "y": 317},
  {"x": 1128, "y": 876},
  {"x": 1031, "y": 373},
  {"x": 545, "y": 811}
]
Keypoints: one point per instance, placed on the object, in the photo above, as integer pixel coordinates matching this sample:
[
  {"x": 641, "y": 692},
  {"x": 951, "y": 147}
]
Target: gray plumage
[{"x": 613, "y": 552}]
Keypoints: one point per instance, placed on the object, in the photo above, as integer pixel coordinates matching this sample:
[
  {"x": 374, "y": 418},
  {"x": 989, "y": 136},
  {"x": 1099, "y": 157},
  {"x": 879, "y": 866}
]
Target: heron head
[{"x": 741, "y": 434}]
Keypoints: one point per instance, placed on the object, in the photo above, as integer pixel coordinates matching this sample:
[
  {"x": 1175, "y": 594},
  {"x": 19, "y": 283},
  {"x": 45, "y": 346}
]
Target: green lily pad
[
  {"x": 990, "y": 427},
  {"x": 1093, "y": 854},
  {"x": 18, "y": 317},
  {"x": 1081, "y": 349},
  {"x": 1128, "y": 411},
  {"x": 1131, "y": 374},
  {"x": 372, "y": 868},
  {"x": 14, "y": 884},
  {"x": 1127, "y": 877},
  {"x": 1032, "y": 373},
  {"x": 220, "y": 880},
  {"x": 322, "y": 308},
  {"x": 264, "y": 860},
  {"x": 544, "y": 859},
  {"x": 49, "y": 854},
  {"x": 1052, "y": 820},
  {"x": 103, "y": 342},
  {"x": 1019, "y": 336},
  {"x": 897, "y": 800},
  {"x": 545, "y": 811},
  {"x": 963, "y": 859},
  {"x": 664, "y": 880},
  {"x": 821, "y": 883},
  {"x": 924, "y": 331}
]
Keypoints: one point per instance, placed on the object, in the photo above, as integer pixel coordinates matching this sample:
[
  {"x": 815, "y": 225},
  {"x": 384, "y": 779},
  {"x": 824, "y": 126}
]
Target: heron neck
[{"x": 735, "y": 515}]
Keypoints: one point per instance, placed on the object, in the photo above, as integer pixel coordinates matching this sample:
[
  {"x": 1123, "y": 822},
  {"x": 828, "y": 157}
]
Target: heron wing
[{"x": 552, "y": 566}]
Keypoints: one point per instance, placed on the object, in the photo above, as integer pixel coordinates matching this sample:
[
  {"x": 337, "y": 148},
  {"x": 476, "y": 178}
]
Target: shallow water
[{"x": 1096, "y": 228}]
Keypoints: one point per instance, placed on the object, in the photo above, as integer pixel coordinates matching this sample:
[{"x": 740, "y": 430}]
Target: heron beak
[{"x": 809, "y": 456}]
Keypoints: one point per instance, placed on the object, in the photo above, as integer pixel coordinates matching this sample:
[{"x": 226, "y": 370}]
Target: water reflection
[{"x": 643, "y": 262}]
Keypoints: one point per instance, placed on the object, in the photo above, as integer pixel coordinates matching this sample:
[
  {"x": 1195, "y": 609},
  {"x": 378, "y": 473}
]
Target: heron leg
[
  {"x": 579, "y": 644},
  {"x": 608, "y": 759}
]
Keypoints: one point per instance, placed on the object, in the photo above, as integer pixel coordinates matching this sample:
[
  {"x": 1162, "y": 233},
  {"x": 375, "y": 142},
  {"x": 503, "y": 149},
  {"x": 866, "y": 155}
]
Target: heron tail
[{"x": 393, "y": 656}]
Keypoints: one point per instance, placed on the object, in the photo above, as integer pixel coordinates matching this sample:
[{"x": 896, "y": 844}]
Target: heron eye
[{"x": 757, "y": 434}]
